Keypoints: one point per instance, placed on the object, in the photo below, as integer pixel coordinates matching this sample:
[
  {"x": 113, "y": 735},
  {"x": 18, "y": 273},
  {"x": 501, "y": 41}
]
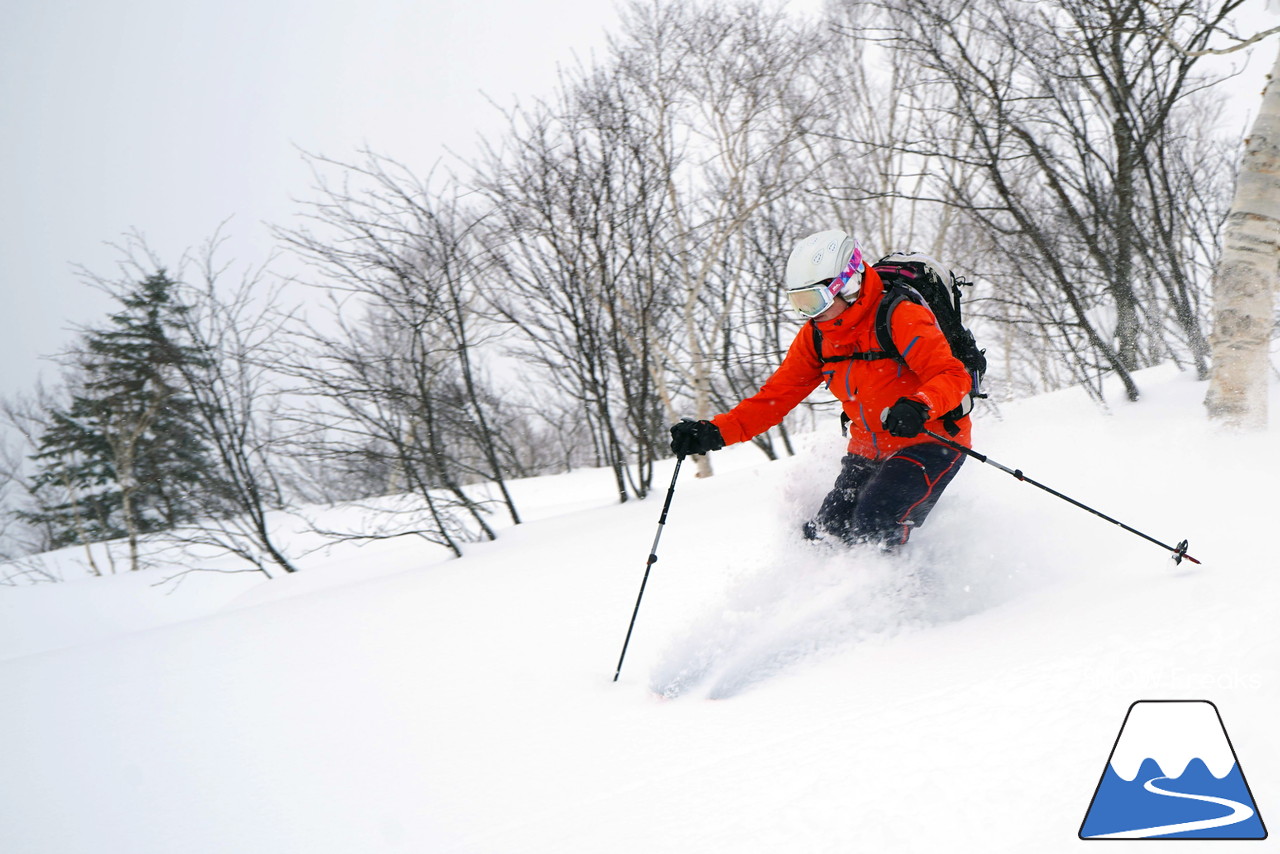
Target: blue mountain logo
[{"x": 1173, "y": 774}]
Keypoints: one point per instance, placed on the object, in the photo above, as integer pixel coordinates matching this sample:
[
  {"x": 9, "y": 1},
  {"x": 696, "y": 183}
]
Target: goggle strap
[{"x": 854, "y": 266}]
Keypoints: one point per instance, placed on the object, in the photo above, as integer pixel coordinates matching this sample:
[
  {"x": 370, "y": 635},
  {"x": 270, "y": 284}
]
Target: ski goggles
[{"x": 813, "y": 300}]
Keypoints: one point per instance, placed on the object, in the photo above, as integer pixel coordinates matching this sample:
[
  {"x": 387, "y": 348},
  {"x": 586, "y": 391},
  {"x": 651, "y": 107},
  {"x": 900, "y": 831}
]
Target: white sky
[{"x": 170, "y": 116}]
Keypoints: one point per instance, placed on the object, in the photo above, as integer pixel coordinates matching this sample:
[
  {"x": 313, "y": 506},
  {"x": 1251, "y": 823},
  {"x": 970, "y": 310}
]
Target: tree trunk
[{"x": 1245, "y": 279}]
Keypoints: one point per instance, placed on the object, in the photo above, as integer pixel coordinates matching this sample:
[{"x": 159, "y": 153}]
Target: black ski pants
[{"x": 880, "y": 501}]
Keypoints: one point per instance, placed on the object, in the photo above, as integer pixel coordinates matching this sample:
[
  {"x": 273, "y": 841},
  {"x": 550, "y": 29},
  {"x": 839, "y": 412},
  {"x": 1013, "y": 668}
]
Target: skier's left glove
[
  {"x": 905, "y": 419},
  {"x": 695, "y": 437}
]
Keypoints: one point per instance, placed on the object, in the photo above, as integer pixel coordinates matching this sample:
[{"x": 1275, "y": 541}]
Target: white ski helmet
[{"x": 819, "y": 268}]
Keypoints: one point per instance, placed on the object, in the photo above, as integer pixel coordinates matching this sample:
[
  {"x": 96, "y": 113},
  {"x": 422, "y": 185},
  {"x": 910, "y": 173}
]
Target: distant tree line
[{"x": 612, "y": 262}]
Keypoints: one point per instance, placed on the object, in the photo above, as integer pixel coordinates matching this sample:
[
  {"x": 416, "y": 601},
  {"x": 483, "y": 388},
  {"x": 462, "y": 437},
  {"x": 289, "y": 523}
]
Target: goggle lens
[{"x": 813, "y": 300}]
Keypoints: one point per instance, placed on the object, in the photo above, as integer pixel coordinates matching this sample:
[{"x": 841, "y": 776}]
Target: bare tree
[
  {"x": 401, "y": 377},
  {"x": 740, "y": 99},
  {"x": 625, "y": 210},
  {"x": 236, "y": 389},
  {"x": 578, "y": 207},
  {"x": 1055, "y": 134},
  {"x": 385, "y": 398},
  {"x": 757, "y": 330}
]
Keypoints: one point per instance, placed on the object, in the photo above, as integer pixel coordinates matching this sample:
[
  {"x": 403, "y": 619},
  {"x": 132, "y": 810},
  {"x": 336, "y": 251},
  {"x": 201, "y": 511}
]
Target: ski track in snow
[{"x": 787, "y": 617}]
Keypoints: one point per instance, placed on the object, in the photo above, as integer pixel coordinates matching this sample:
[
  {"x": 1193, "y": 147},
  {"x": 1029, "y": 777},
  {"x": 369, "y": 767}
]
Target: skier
[{"x": 893, "y": 473}]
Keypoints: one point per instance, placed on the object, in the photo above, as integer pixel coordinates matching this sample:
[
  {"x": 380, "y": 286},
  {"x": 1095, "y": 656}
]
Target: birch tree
[
  {"x": 1245, "y": 281},
  {"x": 1056, "y": 136},
  {"x": 737, "y": 97}
]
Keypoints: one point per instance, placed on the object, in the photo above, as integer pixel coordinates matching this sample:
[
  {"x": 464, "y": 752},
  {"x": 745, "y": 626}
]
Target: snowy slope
[{"x": 776, "y": 697}]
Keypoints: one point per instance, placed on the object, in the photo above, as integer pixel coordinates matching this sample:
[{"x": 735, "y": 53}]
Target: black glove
[
  {"x": 905, "y": 418},
  {"x": 695, "y": 437}
]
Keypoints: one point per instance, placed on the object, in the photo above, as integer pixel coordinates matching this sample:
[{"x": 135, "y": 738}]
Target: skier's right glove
[
  {"x": 906, "y": 418},
  {"x": 695, "y": 437}
]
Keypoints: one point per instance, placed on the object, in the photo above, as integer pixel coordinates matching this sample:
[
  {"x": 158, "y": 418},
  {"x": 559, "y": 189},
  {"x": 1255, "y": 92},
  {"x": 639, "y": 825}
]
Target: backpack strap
[
  {"x": 865, "y": 356},
  {"x": 895, "y": 294}
]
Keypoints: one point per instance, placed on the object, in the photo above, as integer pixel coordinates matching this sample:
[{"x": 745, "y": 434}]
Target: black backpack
[{"x": 922, "y": 280}]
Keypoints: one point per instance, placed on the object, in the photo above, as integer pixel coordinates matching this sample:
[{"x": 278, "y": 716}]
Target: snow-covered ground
[{"x": 777, "y": 697}]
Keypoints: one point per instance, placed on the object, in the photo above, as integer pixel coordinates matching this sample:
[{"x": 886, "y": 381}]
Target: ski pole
[
  {"x": 653, "y": 557},
  {"x": 1179, "y": 551}
]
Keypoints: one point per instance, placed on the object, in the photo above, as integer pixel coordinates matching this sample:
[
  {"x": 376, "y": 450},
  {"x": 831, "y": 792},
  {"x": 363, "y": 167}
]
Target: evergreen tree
[{"x": 125, "y": 458}]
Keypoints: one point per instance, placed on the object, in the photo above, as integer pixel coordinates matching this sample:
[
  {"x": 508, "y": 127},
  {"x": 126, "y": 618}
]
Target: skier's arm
[
  {"x": 943, "y": 379},
  {"x": 798, "y": 375}
]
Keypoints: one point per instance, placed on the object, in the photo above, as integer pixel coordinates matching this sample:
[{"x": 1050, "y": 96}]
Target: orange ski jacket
[{"x": 931, "y": 375}]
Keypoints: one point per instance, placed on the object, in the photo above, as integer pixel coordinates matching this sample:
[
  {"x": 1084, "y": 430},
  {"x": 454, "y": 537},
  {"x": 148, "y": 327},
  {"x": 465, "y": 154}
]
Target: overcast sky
[{"x": 170, "y": 116}]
